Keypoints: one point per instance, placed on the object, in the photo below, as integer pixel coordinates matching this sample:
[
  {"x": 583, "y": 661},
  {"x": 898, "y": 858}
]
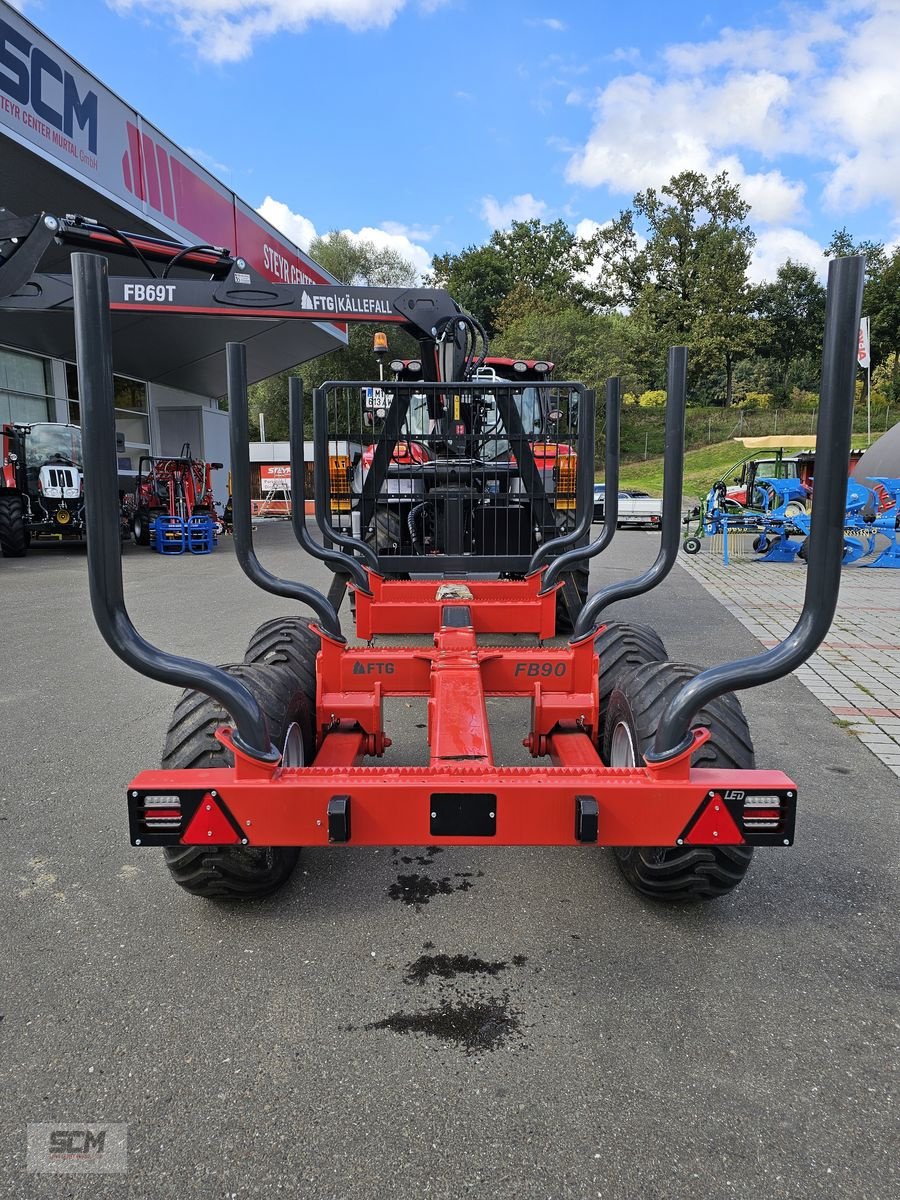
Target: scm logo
[
  {"x": 77, "y": 1141},
  {"x": 27, "y": 74}
]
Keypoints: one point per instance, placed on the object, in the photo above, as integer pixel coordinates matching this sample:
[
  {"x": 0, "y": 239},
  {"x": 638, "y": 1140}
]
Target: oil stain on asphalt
[
  {"x": 474, "y": 1025},
  {"x": 418, "y": 889},
  {"x": 448, "y": 966}
]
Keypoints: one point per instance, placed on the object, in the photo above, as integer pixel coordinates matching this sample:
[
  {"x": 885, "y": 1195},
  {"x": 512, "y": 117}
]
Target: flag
[{"x": 862, "y": 354}]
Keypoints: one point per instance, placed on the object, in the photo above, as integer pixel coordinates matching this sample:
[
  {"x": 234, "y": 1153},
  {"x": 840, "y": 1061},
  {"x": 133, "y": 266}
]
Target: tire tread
[
  {"x": 13, "y": 534},
  {"x": 688, "y": 873},
  {"x": 235, "y": 872}
]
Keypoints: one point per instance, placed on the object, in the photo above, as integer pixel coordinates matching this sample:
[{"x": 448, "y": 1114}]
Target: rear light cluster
[
  {"x": 565, "y": 472},
  {"x": 339, "y": 479},
  {"x": 763, "y": 813},
  {"x": 160, "y": 814},
  {"x": 541, "y": 367}
]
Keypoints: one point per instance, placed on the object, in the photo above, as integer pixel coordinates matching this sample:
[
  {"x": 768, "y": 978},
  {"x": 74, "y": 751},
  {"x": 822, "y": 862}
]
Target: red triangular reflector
[
  {"x": 715, "y": 827},
  {"x": 209, "y": 826}
]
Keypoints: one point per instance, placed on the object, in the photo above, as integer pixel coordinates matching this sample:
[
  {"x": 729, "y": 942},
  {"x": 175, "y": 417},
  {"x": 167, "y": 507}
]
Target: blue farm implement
[
  {"x": 781, "y": 502},
  {"x": 869, "y": 513}
]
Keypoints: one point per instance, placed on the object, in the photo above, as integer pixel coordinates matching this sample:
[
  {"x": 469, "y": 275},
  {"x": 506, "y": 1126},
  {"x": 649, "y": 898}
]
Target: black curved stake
[
  {"x": 611, "y": 493},
  {"x": 670, "y": 540},
  {"x": 826, "y": 538},
  {"x": 236, "y": 367},
  {"x": 93, "y": 343},
  {"x": 340, "y": 563},
  {"x": 585, "y": 485}
]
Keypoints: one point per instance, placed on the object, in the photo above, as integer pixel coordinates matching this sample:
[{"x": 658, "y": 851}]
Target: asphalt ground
[{"x": 527, "y": 1028}]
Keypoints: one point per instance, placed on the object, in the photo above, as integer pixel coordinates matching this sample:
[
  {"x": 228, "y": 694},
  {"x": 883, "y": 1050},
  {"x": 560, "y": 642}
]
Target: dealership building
[{"x": 68, "y": 145}]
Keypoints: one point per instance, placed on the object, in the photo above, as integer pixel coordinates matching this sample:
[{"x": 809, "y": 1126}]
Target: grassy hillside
[{"x": 701, "y": 468}]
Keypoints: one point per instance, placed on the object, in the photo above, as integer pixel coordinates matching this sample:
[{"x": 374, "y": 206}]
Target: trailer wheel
[
  {"x": 571, "y": 598},
  {"x": 140, "y": 527},
  {"x": 288, "y": 642},
  {"x": 386, "y": 537},
  {"x": 635, "y": 708},
  {"x": 235, "y": 872},
  {"x": 386, "y": 532},
  {"x": 622, "y": 648},
  {"x": 761, "y": 544},
  {"x": 14, "y": 536},
  {"x": 691, "y": 545}
]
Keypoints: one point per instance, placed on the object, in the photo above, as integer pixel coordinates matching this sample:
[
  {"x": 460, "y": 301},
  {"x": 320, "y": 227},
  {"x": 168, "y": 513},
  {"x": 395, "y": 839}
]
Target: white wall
[
  {"x": 214, "y": 424},
  {"x": 216, "y": 448}
]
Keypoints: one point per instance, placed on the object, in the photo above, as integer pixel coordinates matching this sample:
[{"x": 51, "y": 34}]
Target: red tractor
[
  {"x": 171, "y": 487},
  {"x": 490, "y": 473},
  {"x": 41, "y": 485}
]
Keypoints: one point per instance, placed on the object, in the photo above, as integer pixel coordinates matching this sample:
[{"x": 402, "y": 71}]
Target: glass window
[
  {"x": 135, "y": 428},
  {"x": 24, "y": 387},
  {"x": 130, "y": 393},
  {"x": 131, "y": 419},
  {"x": 53, "y": 443}
]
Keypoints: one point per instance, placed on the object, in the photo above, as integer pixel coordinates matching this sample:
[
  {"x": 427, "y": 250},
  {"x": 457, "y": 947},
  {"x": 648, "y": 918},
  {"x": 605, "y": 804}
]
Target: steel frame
[{"x": 462, "y": 796}]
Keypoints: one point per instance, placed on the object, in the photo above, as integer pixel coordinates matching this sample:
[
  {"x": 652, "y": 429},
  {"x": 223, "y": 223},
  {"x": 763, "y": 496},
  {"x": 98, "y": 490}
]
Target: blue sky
[{"x": 428, "y": 123}]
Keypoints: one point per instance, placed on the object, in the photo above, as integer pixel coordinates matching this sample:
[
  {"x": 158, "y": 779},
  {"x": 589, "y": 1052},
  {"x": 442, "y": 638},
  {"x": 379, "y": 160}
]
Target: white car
[{"x": 635, "y": 508}]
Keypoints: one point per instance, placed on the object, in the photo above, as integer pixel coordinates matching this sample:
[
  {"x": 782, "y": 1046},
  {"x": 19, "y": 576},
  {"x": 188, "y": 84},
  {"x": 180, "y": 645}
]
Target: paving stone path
[{"x": 856, "y": 671}]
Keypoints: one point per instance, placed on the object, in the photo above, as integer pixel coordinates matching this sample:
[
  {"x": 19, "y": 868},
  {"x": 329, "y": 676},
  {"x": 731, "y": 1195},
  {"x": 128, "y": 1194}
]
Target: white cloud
[
  {"x": 775, "y": 246},
  {"x": 518, "y": 208},
  {"x": 793, "y": 49},
  {"x": 390, "y": 234},
  {"x": 208, "y": 161},
  {"x": 552, "y": 23},
  {"x": 860, "y": 107},
  {"x": 646, "y": 132},
  {"x": 416, "y": 233},
  {"x": 823, "y": 85},
  {"x": 299, "y": 229},
  {"x": 225, "y": 30},
  {"x": 772, "y": 198},
  {"x": 625, "y": 54},
  {"x": 410, "y": 250},
  {"x": 586, "y": 228}
]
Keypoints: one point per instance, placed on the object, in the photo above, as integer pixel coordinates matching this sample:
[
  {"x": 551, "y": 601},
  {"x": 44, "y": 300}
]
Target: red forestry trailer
[{"x": 651, "y": 758}]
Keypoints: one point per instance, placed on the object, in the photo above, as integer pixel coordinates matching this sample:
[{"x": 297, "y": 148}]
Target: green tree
[
  {"x": 583, "y": 345},
  {"x": 538, "y": 257},
  {"x": 361, "y": 263},
  {"x": 479, "y": 278},
  {"x": 881, "y": 304},
  {"x": 354, "y": 263},
  {"x": 842, "y": 244},
  {"x": 791, "y": 313},
  {"x": 678, "y": 259},
  {"x": 546, "y": 256}
]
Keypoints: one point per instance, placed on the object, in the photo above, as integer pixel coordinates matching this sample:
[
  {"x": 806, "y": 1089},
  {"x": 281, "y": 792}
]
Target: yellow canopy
[{"x": 775, "y": 442}]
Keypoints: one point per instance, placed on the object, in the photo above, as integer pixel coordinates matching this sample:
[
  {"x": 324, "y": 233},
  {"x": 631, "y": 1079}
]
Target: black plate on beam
[{"x": 463, "y": 814}]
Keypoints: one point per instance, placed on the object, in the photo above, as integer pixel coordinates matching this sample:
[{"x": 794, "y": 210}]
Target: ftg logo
[{"x": 70, "y": 1148}]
